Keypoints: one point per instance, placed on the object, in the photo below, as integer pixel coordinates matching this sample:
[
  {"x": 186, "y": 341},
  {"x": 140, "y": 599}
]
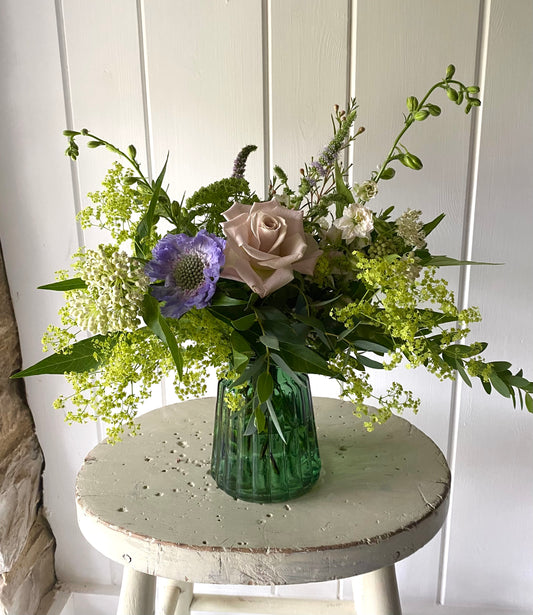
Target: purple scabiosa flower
[{"x": 190, "y": 268}]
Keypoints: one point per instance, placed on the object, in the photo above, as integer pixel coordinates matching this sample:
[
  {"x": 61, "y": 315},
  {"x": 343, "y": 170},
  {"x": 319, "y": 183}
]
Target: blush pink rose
[{"x": 265, "y": 244}]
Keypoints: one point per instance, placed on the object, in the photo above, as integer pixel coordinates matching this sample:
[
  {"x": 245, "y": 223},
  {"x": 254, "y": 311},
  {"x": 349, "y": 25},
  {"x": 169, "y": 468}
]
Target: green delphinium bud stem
[
  {"x": 450, "y": 71},
  {"x": 434, "y": 110},
  {"x": 412, "y": 103}
]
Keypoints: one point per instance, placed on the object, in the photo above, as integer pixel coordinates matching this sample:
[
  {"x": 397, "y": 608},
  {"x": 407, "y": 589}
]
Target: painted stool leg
[
  {"x": 137, "y": 593},
  {"x": 376, "y": 593},
  {"x": 174, "y": 597}
]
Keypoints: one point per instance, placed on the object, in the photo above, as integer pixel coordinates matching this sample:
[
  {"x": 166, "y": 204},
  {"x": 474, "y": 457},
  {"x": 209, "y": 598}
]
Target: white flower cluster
[
  {"x": 409, "y": 228},
  {"x": 356, "y": 221},
  {"x": 116, "y": 284}
]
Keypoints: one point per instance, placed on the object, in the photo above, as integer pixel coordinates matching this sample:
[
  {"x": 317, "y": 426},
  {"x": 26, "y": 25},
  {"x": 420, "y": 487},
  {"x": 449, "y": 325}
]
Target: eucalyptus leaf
[
  {"x": 251, "y": 427},
  {"x": 264, "y": 387},
  {"x": 252, "y": 370},
  {"x": 283, "y": 365},
  {"x": 260, "y": 420},
  {"x": 240, "y": 361},
  {"x": 270, "y": 341},
  {"x": 274, "y": 418},
  {"x": 369, "y": 345},
  {"x": 529, "y": 402},
  {"x": 239, "y": 343},
  {"x": 303, "y": 359},
  {"x": 460, "y": 368},
  {"x": 222, "y": 300},
  {"x": 499, "y": 385},
  {"x": 369, "y": 362},
  {"x": 244, "y": 323},
  {"x": 500, "y": 366},
  {"x": 486, "y": 385},
  {"x": 460, "y": 350}
]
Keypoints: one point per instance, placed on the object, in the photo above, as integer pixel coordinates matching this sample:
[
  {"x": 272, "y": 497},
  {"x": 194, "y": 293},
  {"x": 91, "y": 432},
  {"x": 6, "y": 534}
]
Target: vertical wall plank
[
  {"x": 205, "y": 100},
  {"x": 308, "y": 75},
  {"x": 105, "y": 81},
  {"x": 205, "y": 91},
  {"x": 204, "y": 61},
  {"x": 106, "y": 90},
  {"x": 401, "y": 50},
  {"x": 309, "y": 53},
  {"x": 491, "y": 532},
  {"x": 38, "y": 236}
]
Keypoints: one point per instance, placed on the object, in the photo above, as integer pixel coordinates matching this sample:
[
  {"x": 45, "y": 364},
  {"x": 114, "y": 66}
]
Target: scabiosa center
[{"x": 189, "y": 272}]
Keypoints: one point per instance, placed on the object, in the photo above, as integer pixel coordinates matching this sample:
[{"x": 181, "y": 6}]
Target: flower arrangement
[{"x": 310, "y": 280}]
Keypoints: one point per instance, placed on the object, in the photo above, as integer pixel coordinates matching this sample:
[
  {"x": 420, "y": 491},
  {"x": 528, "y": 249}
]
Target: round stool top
[{"x": 150, "y": 503}]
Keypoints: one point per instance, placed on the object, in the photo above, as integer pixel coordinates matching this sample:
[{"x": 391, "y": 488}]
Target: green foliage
[
  {"x": 373, "y": 299},
  {"x": 205, "y": 207}
]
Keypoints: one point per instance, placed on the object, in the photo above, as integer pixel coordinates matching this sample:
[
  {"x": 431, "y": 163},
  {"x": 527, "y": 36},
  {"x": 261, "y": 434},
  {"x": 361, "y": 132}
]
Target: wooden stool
[{"x": 150, "y": 504}]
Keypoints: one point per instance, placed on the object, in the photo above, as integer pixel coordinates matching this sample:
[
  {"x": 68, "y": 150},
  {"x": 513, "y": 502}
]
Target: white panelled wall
[{"x": 201, "y": 79}]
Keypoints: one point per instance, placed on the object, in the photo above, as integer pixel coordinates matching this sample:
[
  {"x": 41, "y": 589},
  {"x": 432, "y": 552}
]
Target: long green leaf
[
  {"x": 283, "y": 365},
  {"x": 82, "y": 356},
  {"x": 244, "y": 323},
  {"x": 265, "y": 387},
  {"x": 303, "y": 359},
  {"x": 369, "y": 362},
  {"x": 72, "y": 284},
  {"x": 158, "y": 325},
  {"x": 144, "y": 228},
  {"x": 369, "y": 345},
  {"x": 446, "y": 261},
  {"x": 499, "y": 385},
  {"x": 274, "y": 418},
  {"x": 342, "y": 189},
  {"x": 252, "y": 370},
  {"x": 221, "y": 300},
  {"x": 427, "y": 228},
  {"x": 270, "y": 341}
]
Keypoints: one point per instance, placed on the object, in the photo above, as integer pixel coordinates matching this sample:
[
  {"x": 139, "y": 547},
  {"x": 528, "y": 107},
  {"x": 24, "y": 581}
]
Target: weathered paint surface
[{"x": 150, "y": 503}]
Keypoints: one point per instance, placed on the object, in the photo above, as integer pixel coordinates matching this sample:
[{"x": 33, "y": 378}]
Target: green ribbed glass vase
[{"x": 260, "y": 467}]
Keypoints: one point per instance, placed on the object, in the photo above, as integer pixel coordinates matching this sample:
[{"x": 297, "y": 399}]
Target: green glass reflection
[{"x": 260, "y": 467}]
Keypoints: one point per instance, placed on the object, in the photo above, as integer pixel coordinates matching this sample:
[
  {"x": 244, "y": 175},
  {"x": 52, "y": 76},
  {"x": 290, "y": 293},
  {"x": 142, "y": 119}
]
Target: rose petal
[
  {"x": 236, "y": 210},
  {"x": 266, "y": 242},
  {"x": 276, "y": 280},
  {"x": 238, "y": 228},
  {"x": 293, "y": 249},
  {"x": 307, "y": 264},
  {"x": 269, "y": 230}
]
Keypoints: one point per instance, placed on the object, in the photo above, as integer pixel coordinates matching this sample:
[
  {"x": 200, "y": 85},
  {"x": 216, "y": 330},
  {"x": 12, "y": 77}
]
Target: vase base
[{"x": 268, "y": 498}]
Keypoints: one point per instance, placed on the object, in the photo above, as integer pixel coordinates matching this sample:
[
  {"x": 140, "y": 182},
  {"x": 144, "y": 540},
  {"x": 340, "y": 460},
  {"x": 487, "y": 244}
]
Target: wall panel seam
[
  {"x": 266, "y": 34},
  {"x": 147, "y": 120},
  {"x": 143, "y": 66},
  {"x": 351, "y": 77},
  {"x": 464, "y": 278},
  {"x": 67, "y": 99}
]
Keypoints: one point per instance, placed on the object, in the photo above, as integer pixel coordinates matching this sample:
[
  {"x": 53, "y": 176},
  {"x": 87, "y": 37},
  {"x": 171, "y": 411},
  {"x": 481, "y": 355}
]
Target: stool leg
[
  {"x": 174, "y": 597},
  {"x": 376, "y": 593},
  {"x": 137, "y": 593}
]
